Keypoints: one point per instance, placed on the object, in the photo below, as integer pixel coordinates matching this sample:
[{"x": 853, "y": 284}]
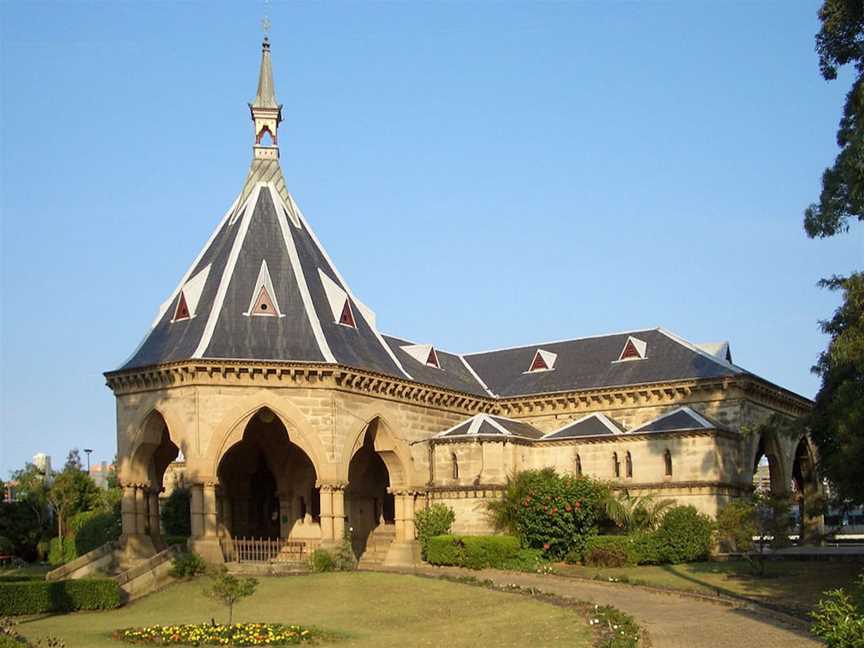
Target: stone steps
[{"x": 377, "y": 546}]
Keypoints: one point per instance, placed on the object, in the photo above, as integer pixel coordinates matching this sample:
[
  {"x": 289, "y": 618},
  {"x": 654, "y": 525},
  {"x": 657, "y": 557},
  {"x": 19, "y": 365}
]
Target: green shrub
[
  {"x": 736, "y": 525},
  {"x": 433, "y": 521},
  {"x": 343, "y": 557},
  {"x": 525, "y": 560},
  {"x": 34, "y": 597},
  {"x": 175, "y": 513},
  {"x": 92, "y": 529},
  {"x": 610, "y": 551},
  {"x": 838, "y": 618},
  {"x": 187, "y": 565},
  {"x": 61, "y": 551},
  {"x": 6, "y": 545},
  {"x": 684, "y": 535},
  {"x": 474, "y": 552},
  {"x": 647, "y": 548},
  {"x": 321, "y": 560},
  {"x": 549, "y": 511},
  {"x": 172, "y": 540}
]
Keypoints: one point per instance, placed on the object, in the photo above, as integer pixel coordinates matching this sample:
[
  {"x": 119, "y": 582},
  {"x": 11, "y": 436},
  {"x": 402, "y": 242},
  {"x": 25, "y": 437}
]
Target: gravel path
[{"x": 672, "y": 621}]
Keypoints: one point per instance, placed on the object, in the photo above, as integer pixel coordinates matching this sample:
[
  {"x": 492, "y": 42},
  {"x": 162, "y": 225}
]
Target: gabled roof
[
  {"x": 592, "y": 425},
  {"x": 680, "y": 419},
  {"x": 487, "y": 425}
]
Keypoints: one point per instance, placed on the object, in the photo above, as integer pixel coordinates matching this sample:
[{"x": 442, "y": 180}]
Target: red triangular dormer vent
[
  {"x": 634, "y": 349},
  {"x": 347, "y": 316},
  {"x": 432, "y": 360},
  {"x": 539, "y": 363},
  {"x": 182, "y": 311},
  {"x": 264, "y": 304}
]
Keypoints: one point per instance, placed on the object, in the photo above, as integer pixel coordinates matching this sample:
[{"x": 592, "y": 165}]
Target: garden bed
[{"x": 210, "y": 634}]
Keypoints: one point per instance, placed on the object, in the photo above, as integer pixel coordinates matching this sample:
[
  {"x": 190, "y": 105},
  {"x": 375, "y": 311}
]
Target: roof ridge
[{"x": 576, "y": 339}]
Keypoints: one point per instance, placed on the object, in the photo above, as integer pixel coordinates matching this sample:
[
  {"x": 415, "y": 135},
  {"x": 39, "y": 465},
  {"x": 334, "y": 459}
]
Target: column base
[
  {"x": 403, "y": 554},
  {"x": 137, "y": 546},
  {"x": 208, "y": 549}
]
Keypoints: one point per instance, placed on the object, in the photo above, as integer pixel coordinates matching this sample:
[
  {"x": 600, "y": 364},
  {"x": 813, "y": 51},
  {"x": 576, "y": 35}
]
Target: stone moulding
[{"x": 351, "y": 380}]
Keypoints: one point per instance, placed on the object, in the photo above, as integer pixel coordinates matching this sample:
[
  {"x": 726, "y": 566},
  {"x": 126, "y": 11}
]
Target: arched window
[
  {"x": 454, "y": 465},
  {"x": 667, "y": 459},
  {"x": 578, "y": 465},
  {"x": 629, "y": 466},
  {"x": 616, "y": 467}
]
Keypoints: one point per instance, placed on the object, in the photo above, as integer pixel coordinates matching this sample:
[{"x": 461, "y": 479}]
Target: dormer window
[
  {"x": 263, "y": 301},
  {"x": 347, "y": 316},
  {"x": 634, "y": 349},
  {"x": 543, "y": 361},
  {"x": 182, "y": 311},
  {"x": 190, "y": 295},
  {"x": 424, "y": 353},
  {"x": 340, "y": 303}
]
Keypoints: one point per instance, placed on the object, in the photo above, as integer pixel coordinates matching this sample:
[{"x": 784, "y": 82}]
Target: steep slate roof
[
  {"x": 487, "y": 425},
  {"x": 683, "y": 418},
  {"x": 265, "y": 240},
  {"x": 590, "y": 425},
  {"x": 590, "y": 363}
]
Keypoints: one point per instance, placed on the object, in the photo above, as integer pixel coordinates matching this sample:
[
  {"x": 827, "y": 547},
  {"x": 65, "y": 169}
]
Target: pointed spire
[{"x": 266, "y": 111}]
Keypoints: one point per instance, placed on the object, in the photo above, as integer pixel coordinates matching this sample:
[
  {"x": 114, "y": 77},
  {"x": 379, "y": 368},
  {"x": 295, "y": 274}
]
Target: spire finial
[{"x": 266, "y": 110}]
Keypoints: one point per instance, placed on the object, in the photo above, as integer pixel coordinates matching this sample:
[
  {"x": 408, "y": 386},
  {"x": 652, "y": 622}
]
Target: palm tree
[{"x": 639, "y": 513}]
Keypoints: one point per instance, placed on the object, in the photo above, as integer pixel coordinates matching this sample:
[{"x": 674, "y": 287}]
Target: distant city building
[
  {"x": 43, "y": 462},
  {"x": 101, "y": 473},
  {"x": 762, "y": 479}
]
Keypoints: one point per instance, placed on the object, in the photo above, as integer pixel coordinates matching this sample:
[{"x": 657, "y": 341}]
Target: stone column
[
  {"x": 410, "y": 533},
  {"x": 153, "y": 511},
  {"x": 196, "y": 510},
  {"x": 338, "y": 512},
  {"x": 127, "y": 510},
  {"x": 399, "y": 510},
  {"x": 326, "y": 514},
  {"x": 285, "y": 518},
  {"x": 209, "y": 500},
  {"x": 141, "y": 513}
]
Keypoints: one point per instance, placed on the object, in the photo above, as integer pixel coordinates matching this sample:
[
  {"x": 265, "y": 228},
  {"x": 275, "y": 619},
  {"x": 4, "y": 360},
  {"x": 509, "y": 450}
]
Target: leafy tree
[
  {"x": 228, "y": 589},
  {"x": 73, "y": 491},
  {"x": 737, "y": 525},
  {"x": 176, "y": 518},
  {"x": 32, "y": 487},
  {"x": 837, "y": 419},
  {"x": 73, "y": 460}
]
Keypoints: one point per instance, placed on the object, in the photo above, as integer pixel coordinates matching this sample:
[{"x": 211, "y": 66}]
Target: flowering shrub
[
  {"x": 548, "y": 511},
  {"x": 206, "y": 634}
]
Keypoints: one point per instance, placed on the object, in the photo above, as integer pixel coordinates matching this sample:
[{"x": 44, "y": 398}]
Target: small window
[
  {"x": 616, "y": 465},
  {"x": 182, "y": 311},
  {"x": 667, "y": 459},
  {"x": 578, "y": 465},
  {"x": 634, "y": 349},
  {"x": 543, "y": 361},
  {"x": 432, "y": 359},
  {"x": 454, "y": 465},
  {"x": 347, "y": 316},
  {"x": 629, "y": 466},
  {"x": 263, "y": 306}
]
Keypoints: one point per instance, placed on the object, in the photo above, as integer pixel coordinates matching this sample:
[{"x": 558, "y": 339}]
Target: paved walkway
[{"x": 672, "y": 621}]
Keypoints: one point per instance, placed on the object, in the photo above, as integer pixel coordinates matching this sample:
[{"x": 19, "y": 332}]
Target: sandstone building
[{"x": 299, "y": 421}]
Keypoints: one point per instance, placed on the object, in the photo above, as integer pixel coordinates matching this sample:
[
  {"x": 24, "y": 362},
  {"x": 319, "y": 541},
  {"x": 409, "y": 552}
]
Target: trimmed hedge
[
  {"x": 474, "y": 552},
  {"x": 611, "y": 551},
  {"x": 58, "y": 596},
  {"x": 684, "y": 535}
]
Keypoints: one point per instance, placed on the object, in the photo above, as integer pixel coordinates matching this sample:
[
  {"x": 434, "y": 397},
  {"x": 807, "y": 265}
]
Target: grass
[
  {"x": 794, "y": 584},
  {"x": 369, "y": 609}
]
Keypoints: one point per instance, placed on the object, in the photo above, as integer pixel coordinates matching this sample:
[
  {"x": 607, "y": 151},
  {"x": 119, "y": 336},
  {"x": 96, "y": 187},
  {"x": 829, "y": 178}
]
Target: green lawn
[
  {"x": 371, "y": 609},
  {"x": 795, "y": 584}
]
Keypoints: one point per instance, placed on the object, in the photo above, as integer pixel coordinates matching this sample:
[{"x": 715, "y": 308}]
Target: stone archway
[
  {"x": 267, "y": 484},
  {"x": 143, "y": 476},
  {"x": 768, "y": 458}
]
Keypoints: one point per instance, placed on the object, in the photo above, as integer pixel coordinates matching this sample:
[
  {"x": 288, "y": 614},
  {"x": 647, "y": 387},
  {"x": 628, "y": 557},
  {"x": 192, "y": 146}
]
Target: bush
[
  {"x": 188, "y": 565},
  {"x": 93, "y": 529},
  {"x": 474, "y": 552},
  {"x": 684, "y": 535},
  {"x": 343, "y": 557},
  {"x": 526, "y": 560},
  {"x": 610, "y": 551},
  {"x": 321, "y": 560},
  {"x": 61, "y": 551},
  {"x": 736, "y": 525},
  {"x": 549, "y": 511},
  {"x": 176, "y": 518},
  {"x": 433, "y": 521},
  {"x": 839, "y": 617},
  {"x": 35, "y": 597},
  {"x": 647, "y": 549}
]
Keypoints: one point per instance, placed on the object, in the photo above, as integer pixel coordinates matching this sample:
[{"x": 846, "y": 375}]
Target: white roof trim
[
  {"x": 576, "y": 339},
  {"x": 705, "y": 423},
  {"x": 191, "y": 293},
  {"x": 640, "y": 345},
  {"x": 347, "y": 289},
  {"x": 421, "y": 353},
  {"x": 476, "y": 421},
  {"x": 228, "y": 272},
  {"x": 717, "y": 349},
  {"x": 263, "y": 281},
  {"x": 476, "y": 376},
  {"x": 368, "y": 313},
  {"x": 598, "y": 415},
  {"x": 336, "y": 297},
  {"x": 302, "y": 285}
]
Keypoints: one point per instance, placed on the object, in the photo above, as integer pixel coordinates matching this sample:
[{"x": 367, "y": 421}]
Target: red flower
[
  {"x": 578, "y": 504},
  {"x": 554, "y": 509},
  {"x": 545, "y": 546}
]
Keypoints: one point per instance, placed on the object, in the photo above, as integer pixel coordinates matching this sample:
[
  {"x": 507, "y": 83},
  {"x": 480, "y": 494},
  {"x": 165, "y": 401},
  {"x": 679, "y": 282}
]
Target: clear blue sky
[{"x": 484, "y": 174}]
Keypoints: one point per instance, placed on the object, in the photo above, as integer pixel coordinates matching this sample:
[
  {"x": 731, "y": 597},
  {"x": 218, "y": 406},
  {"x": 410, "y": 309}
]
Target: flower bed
[{"x": 206, "y": 634}]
